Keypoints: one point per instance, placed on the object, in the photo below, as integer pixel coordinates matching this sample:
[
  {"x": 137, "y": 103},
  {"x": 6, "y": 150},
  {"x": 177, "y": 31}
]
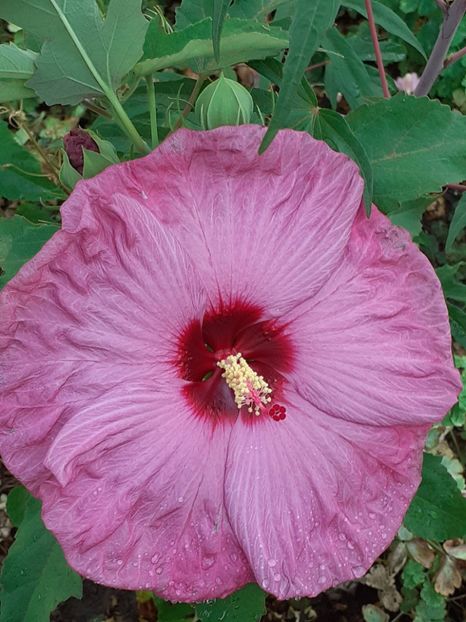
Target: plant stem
[
  {"x": 451, "y": 20},
  {"x": 126, "y": 123},
  {"x": 376, "y": 44},
  {"x": 49, "y": 165},
  {"x": 192, "y": 98},
  {"x": 154, "y": 132},
  {"x": 452, "y": 58},
  {"x": 443, "y": 6}
]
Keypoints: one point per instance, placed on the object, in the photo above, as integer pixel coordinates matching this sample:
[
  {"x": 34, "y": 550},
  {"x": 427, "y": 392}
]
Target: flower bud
[
  {"x": 75, "y": 141},
  {"x": 85, "y": 155},
  {"x": 224, "y": 102}
]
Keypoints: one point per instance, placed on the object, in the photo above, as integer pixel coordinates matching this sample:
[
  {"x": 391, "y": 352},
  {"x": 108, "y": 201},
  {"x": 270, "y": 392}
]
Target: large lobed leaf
[
  {"x": 192, "y": 47},
  {"x": 191, "y": 11},
  {"x": 16, "y": 67},
  {"x": 82, "y": 52},
  {"x": 35, "y": 576},
  {"x": 415, "y": 146}
]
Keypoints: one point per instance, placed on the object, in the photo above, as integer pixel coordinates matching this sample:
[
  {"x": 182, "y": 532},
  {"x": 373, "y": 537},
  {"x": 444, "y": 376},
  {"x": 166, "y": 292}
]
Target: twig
[
  {"x": 456, "y": 187},
  {"x": 451, "y": 20},
  {"x": 192, "y": 98},
  {"x": 317, "y": 65},
  {"x": 154, "y": 132},
  {"x": 376, "y": 44},
  {"x": 442, "y": 5},
  {"x": 452, "y": 58},
  {"x": 49, "y": 165},
  {"x": 97, "y": 109}
]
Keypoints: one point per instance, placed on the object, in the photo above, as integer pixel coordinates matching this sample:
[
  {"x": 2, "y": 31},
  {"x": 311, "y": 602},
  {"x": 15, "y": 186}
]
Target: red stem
[
  {"x": 454, "y": 57},
  {"x": 443, "y": 6},
  {"x": 378, "y": 53}
]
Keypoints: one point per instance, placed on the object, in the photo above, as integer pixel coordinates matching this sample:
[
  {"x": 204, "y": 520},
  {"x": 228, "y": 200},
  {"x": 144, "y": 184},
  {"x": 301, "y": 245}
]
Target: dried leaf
[
  {"x": 421, "y": 552},
  {"x": 448, "y": 578}
]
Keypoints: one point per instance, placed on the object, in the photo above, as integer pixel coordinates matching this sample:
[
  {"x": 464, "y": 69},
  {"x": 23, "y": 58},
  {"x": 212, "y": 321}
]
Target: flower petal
[
  {"x": 374, "y": 344},
  {"x": 313, "y": 501},
  {"x": 137, "y": 499},
  {"x": 267, "y": 228},
  {"x": 93, "y": 418},
  {"x": 80, "y": 319}
]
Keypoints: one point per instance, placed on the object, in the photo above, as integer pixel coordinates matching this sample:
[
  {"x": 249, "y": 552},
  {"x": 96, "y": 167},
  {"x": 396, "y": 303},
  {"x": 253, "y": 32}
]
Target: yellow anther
[{"x": 249, "y": 388}]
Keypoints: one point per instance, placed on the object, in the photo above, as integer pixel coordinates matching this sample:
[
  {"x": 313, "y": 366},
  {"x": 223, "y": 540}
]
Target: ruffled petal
[
  {"x": 314, "y": 500},
  {"x": 374, "y": 344},
  {"x": 135, "y": 496},
  {"x": 267, "y": 228}
]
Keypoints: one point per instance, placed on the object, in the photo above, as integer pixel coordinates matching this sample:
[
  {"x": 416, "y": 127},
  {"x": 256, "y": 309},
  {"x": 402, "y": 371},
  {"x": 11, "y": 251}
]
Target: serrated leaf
[
  {"x": 19, "y": 241},
  {"x": 246, "y": 605},
  {"x": 413, "y": 574},
  {"x": 438, "y": 511},
  {"x": 346, "y": 73},
  {"x": 333, "y": 128},
  {"x": 192, "y": 47},
  {"x": 12, "y": 90},
  {"x": 83, "y": 54},
  {"x": 20, "y": 172},
  {"x": 458, "y": 223},
  {"x": 35, "y": 576},
  {"x": 408, "y": 158},
  {"x": 15, "y": 63},
  {"x": 311, "y": 20},
  {"x": 389, "y": 20}
]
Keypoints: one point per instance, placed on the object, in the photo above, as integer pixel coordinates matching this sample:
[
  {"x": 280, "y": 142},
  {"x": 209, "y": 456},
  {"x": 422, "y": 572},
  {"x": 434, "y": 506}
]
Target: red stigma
[{"x": 277, "y": 412}]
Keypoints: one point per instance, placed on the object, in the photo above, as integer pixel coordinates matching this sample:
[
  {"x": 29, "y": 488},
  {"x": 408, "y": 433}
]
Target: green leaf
[
  {"x": 192, "y": 47},
  {"x": 333, "y": 128},
  {"x": 346, "y": 73},
  {"x": 432, "y": 607},
  {"x": 12, "y": 90},
  {"x": 371, "y": 613},
  {"x": 218, "y": 17},
  {"x": 389, "y": 20},
  {"x": 458, "y": 223},
  {"x": 192, "y": 11},
  {"x": 19, "y": 241},
  {"x": 457, "y": 324},
  {"x": 83, "y": 55},
  {"x": 35, "y": 575},
  {"x": 15, "y": 63},
  {"x": 168, "y": 612},
  {"x": 413, "y": 574},
  {"x": 20, "y": 172},
  {"x": 452, "y": 286},
  {"x": 246, "y": 605},
  {"x": 408, "y": 214},
  {"x": 415, "y": 146},
  {"x": 311, "y": 20},
  {"x": 438, "y": 511},
  {"x": 16, "y": 505},
  {"x": 254, "y": 9}
]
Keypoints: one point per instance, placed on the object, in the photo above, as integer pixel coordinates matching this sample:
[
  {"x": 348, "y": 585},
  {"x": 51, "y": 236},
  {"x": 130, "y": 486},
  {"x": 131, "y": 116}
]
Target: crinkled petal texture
[{"x": 141, "y": 488}]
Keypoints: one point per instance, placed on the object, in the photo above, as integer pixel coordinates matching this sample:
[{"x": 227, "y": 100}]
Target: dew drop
[
  {"x": 207, "y": 562},
  {"x": 272, "y": 563},
  {"x": 159, "y": 570},
  {"x": 277, "y": 577}
]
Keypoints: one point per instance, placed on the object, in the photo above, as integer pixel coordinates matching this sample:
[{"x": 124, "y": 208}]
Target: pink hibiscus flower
[{"x": 220, "y": 371}]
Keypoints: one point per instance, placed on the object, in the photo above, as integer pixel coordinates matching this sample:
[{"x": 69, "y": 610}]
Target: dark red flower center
[{"x": 230, "y": 330}]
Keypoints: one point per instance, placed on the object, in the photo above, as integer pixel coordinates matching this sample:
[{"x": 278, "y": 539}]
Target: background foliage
[{"x": 130, "y": 73}]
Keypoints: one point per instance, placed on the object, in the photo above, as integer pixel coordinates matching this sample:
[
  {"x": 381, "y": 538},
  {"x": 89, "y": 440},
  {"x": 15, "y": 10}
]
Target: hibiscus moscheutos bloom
[
  {"x": 221, "y": 371},
  {"x": 407, "y": 83}
]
